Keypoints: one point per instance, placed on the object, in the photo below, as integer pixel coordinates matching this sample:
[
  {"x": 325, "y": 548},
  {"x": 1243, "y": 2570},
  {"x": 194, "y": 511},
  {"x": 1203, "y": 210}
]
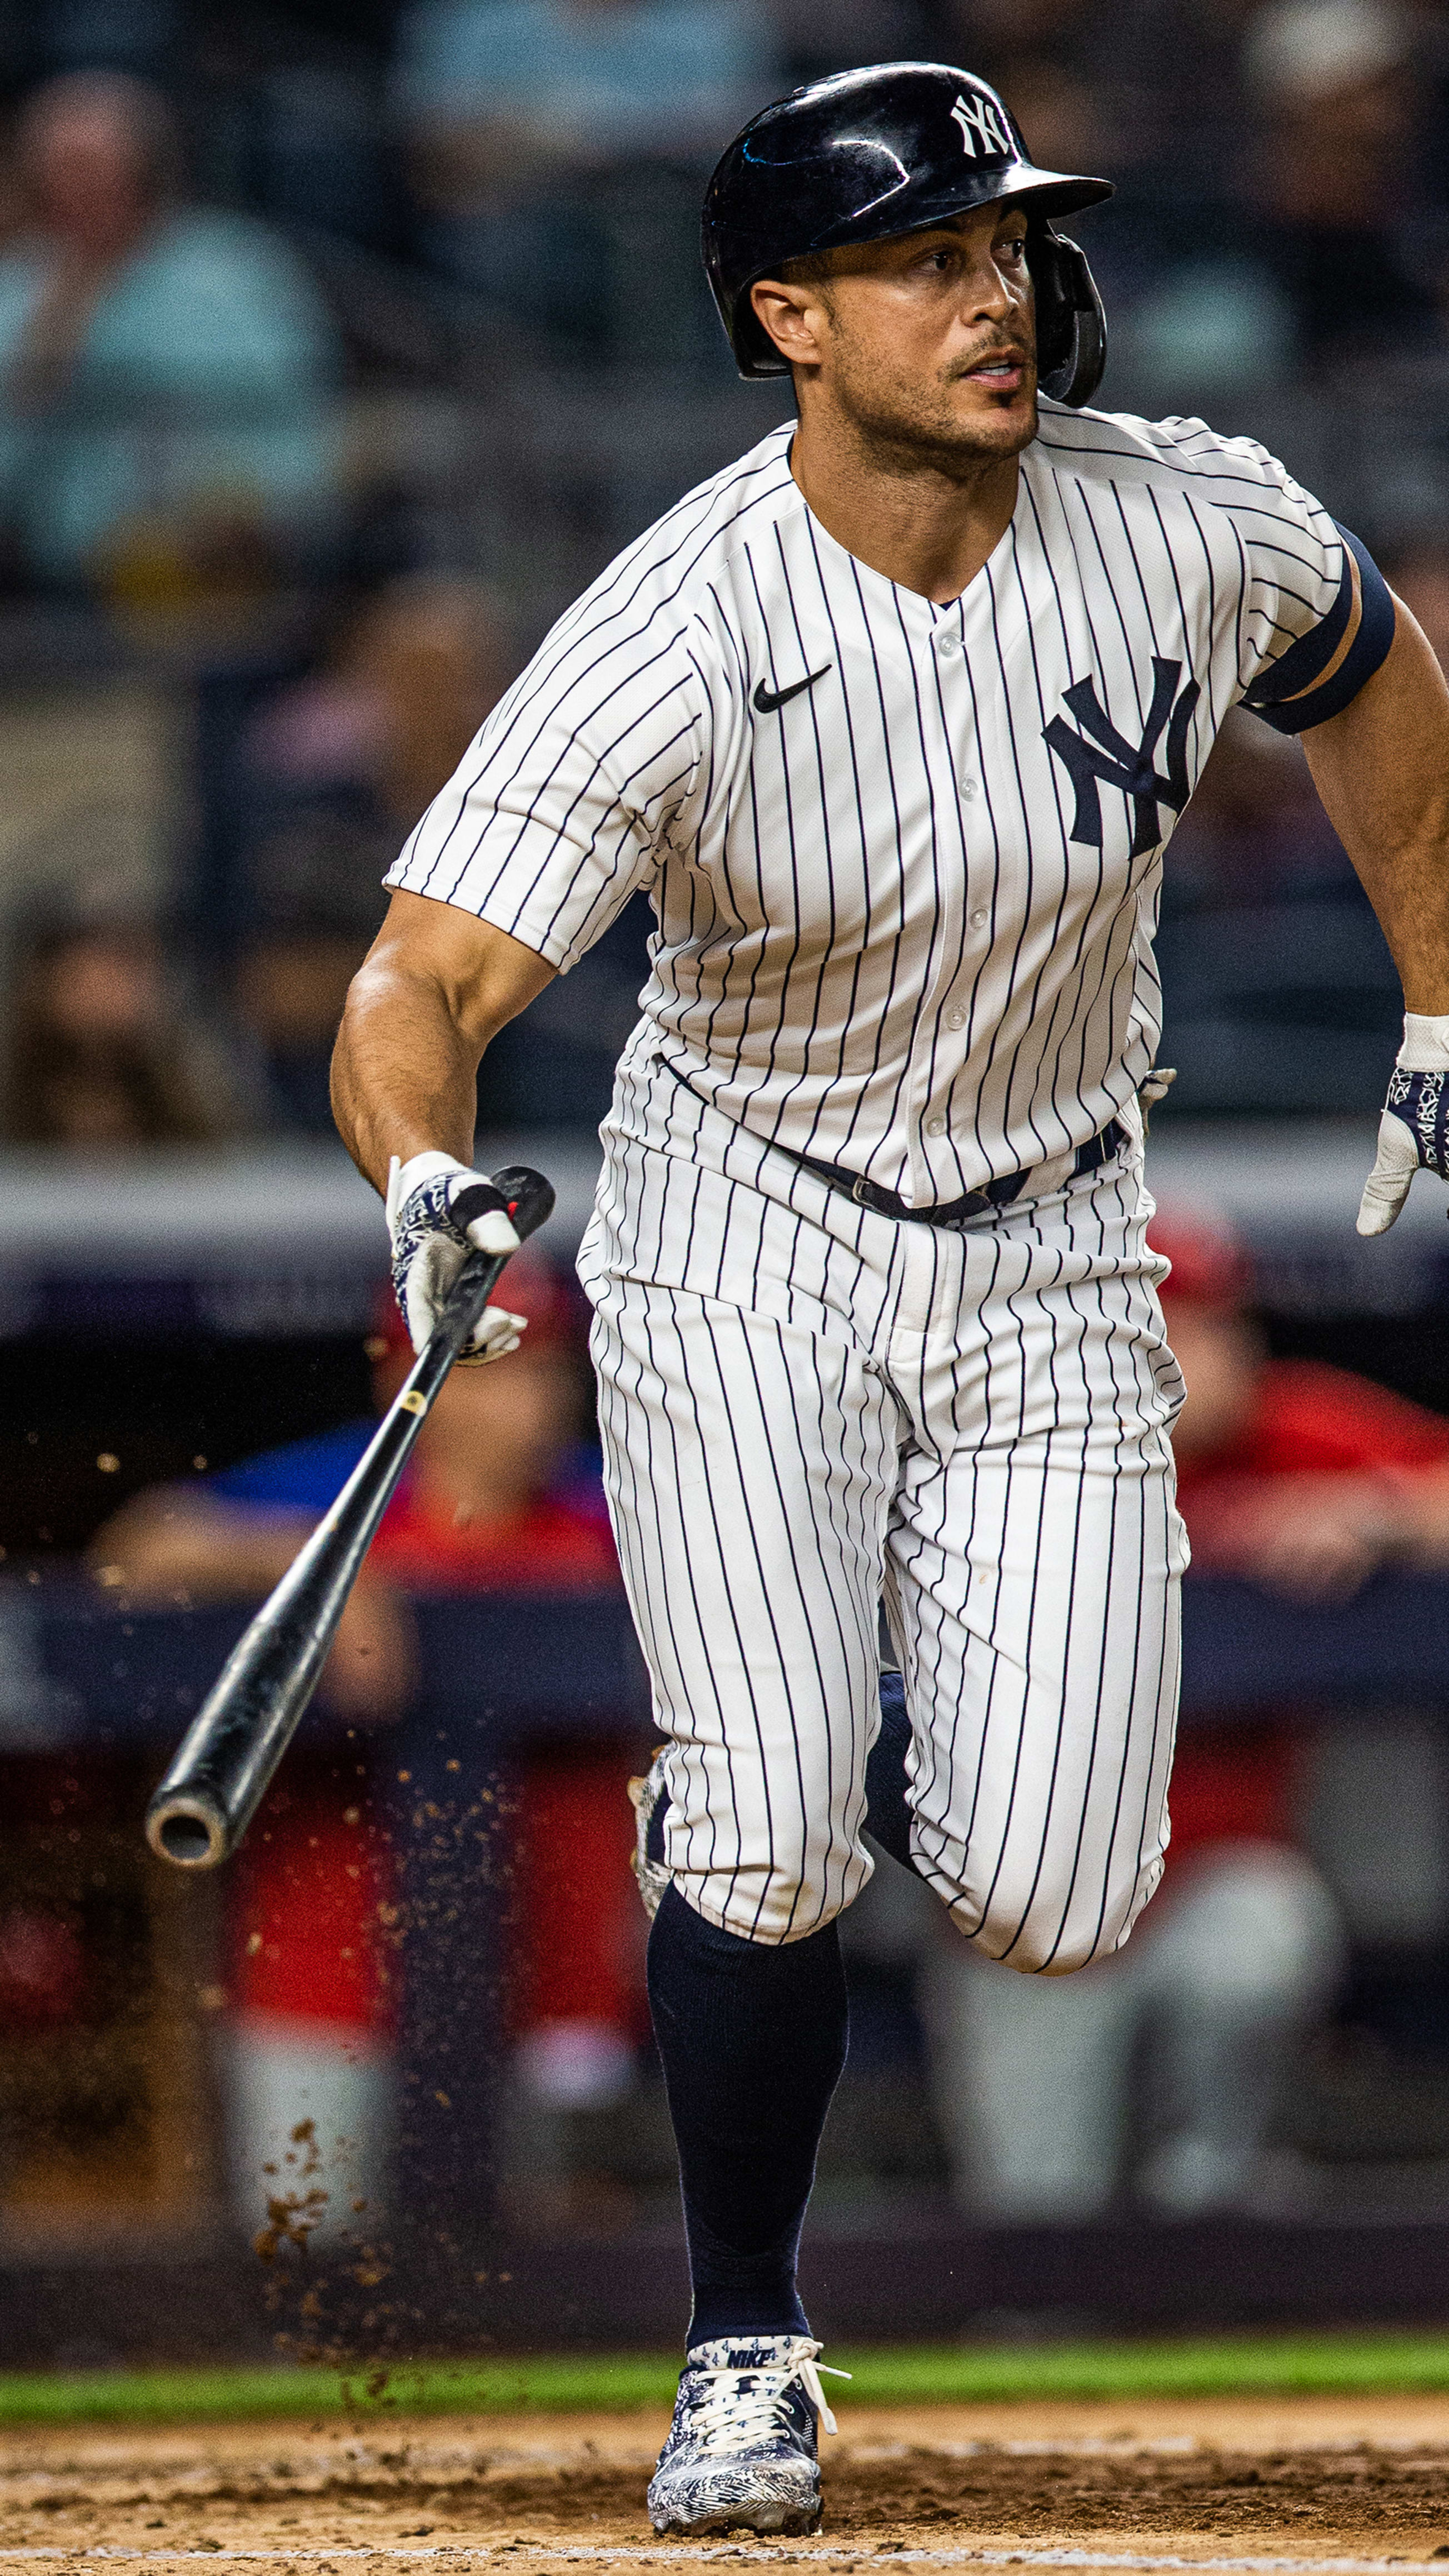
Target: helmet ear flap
[
  {"x": 756, "y": 355},
  {"x": 1071, "y": 328}
]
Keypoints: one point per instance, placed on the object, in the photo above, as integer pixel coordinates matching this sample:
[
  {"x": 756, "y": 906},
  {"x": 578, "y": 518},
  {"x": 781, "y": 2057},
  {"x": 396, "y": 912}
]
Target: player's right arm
[
  {"x": 436, "y": 987},
  {"x": 554, "y": 817}
]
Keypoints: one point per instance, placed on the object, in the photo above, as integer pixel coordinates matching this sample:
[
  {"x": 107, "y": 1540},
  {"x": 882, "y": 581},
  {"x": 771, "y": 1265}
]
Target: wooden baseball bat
[{"x": 239, "y": 1735}]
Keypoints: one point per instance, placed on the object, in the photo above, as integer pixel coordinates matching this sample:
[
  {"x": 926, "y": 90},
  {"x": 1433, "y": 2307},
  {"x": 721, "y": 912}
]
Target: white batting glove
[
  {"x": 438, "y": 1211},
  {"x": 1414, "y": 1129}
]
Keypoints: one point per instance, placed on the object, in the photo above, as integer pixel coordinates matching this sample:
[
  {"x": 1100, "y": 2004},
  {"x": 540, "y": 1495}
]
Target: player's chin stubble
[{"x": 906, "y": 427}]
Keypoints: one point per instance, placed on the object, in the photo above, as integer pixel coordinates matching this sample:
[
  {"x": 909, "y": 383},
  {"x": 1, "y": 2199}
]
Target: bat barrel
[
  {"x": 188, "y": 1828},
  {"x": 234, "y": 1744}
]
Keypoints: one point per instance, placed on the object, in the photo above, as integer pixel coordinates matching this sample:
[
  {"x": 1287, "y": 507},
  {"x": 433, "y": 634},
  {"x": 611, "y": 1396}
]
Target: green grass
[{"x": 926, "y": 2375}]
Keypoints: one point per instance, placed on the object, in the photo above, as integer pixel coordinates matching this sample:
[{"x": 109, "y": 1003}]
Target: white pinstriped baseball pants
[{"x": 808, "y": 1410}]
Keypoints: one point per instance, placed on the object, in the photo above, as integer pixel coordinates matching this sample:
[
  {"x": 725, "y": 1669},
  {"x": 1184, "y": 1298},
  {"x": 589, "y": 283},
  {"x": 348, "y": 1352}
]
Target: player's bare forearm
[
  {"x": 403, "y": 1071},
  {"x": 1382, "y": 771},
  {"x": 435, "y": 987}
]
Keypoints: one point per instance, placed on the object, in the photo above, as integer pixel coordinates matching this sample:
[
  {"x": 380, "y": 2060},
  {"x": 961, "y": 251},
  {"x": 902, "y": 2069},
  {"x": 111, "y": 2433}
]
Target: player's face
[{"x": 929, "y": 343}]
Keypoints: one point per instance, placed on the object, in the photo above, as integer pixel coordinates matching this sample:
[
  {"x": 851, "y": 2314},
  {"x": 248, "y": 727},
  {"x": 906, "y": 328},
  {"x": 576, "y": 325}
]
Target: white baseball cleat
[{"x": 743, "y": 2450}]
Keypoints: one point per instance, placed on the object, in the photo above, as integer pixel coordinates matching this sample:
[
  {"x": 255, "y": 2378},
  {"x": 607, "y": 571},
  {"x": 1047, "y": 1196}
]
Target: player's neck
[{"x": 905, "y": 516}]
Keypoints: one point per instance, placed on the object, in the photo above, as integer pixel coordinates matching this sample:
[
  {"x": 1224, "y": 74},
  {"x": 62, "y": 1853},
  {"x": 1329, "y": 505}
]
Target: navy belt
[
  {"x": 996, "y": 1194},
  {"x": 882, "y": 1202}
]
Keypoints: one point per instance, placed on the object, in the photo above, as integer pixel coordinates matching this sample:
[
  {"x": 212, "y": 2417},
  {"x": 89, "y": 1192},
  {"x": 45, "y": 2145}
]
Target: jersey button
[
  {"x": 947, "y": 644},
  {"x": 970, "y": 787},
  {"x": 935, "y": 1126},
  {"x": 979, "y": 920},
  {"x": 955, "y": 1019}
]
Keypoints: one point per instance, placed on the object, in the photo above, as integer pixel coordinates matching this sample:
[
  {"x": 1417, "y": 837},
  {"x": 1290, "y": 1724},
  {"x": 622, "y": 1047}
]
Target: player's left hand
[
  {"x": 436, "y": 1216},
  {"x": 1414, "y": 1128}
]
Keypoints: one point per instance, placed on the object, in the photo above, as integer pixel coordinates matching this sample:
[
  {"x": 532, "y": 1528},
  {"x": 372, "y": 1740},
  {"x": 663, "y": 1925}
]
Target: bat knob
[
  {"x": 527, "y": 1196},
  {"x": 188, "y": 1828}
]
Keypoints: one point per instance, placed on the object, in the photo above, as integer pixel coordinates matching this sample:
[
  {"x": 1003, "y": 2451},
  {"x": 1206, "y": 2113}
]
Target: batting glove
[
  {"x": 438, "y": 1211},
  {"x": 1414, "y": 1129}
]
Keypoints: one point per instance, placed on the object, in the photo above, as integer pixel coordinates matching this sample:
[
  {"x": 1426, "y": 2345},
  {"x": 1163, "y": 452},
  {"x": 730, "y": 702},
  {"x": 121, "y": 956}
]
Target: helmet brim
[{"x": 1054, "y": 192}]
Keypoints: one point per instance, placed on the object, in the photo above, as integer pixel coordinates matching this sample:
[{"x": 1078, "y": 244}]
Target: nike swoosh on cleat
[{"x": 767, "y": 700}]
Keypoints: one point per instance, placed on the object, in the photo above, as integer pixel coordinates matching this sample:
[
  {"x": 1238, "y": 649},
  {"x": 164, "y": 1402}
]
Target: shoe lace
[{"x": 741, "y": 2406}]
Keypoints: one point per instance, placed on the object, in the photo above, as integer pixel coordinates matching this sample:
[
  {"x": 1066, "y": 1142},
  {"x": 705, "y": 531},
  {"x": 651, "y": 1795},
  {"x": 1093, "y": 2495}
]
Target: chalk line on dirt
[{"x": 680, "y": 2553}]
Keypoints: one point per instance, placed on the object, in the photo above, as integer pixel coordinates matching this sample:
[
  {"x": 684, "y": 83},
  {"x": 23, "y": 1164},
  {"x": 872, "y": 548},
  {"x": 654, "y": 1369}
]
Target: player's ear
[{"x": 795, "y": 317}]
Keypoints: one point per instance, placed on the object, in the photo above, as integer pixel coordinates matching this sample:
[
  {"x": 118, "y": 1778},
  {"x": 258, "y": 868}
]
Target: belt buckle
[{"x": 881, "y": 1202}]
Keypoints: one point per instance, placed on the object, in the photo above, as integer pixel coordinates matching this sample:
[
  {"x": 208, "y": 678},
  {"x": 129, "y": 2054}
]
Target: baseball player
[{"x": 893, "y": 719}]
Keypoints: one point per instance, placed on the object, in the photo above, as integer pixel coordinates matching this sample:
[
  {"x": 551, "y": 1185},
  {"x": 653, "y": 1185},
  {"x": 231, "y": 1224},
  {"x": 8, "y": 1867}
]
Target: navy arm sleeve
[{"x": 1317, "y": 676}]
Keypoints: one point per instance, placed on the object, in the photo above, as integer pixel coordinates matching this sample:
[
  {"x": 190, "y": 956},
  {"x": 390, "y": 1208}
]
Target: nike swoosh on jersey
[{"x": 767, "y": 700}]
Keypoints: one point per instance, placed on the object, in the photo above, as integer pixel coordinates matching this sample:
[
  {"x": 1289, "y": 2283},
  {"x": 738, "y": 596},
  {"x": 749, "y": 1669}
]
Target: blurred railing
[{"x": 77, "y": 1672}]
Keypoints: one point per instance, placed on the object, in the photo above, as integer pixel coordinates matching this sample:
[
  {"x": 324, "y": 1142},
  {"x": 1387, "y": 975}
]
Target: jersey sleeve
[
  {"x": 561, "y": 808},
  {"x": 1317, "y": 616}
]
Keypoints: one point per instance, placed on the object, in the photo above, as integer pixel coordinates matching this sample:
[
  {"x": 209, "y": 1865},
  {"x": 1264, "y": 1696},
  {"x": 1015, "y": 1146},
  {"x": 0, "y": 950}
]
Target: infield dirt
[{"x": 1252, "y": 2478}]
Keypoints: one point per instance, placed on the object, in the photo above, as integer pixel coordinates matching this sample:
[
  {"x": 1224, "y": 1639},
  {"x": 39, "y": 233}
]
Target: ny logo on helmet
[
  {"x": 980, "y": 120},
  {"x": 1099, "y": 756}
]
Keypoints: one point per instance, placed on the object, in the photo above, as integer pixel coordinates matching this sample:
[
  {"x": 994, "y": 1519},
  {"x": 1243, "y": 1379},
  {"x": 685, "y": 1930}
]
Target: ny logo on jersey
[
  {"x": 1099, "y": 756},
  {"x": 980, "y": 120}
]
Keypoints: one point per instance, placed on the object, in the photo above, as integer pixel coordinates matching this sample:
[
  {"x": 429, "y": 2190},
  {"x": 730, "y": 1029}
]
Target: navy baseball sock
[
  {"x": 753, "y": 2039},
  {"x": 887, "y": 1815}
]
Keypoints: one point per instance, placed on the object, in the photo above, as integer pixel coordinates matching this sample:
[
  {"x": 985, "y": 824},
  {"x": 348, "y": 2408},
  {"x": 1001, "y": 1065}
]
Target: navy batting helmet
[{"x": 870, "y": 154}]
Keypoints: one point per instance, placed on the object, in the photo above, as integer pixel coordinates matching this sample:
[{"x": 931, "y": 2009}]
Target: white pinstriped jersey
[{"x": 905, "y": 859}]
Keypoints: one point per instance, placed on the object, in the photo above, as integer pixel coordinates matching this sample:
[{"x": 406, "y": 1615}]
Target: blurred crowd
[{"x": 338, "y": 347}]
